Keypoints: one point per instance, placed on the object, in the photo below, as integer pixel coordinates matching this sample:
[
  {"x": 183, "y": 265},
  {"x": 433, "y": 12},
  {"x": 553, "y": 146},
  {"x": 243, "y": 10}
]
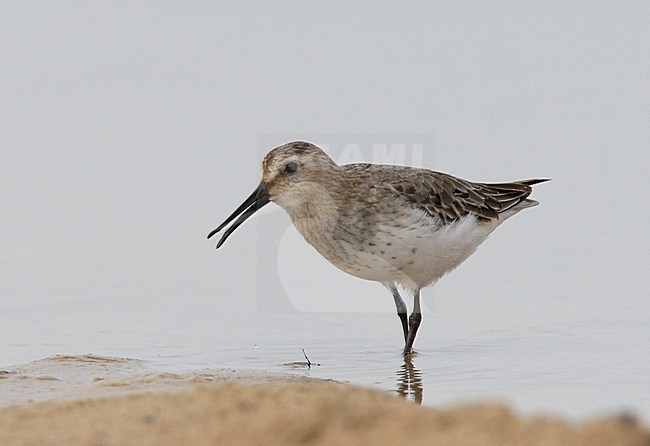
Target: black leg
[
  {"x": 414, "y": 323},
  {"x": 401, "y": 310}
]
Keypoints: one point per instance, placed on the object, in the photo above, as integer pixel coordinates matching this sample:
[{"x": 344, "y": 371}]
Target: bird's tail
[
  {"x": 535, "y": 181},
  {"x": 528, "y": 202},
  {"x": 514, "y": 196}
]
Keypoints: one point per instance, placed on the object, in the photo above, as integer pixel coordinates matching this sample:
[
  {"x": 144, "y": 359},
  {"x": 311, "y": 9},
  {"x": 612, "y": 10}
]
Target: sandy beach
[{"x": 91, "y": 400}]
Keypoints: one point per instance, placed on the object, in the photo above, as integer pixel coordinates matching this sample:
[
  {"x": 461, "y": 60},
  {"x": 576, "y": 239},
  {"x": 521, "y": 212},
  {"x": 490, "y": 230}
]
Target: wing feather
[{"x": 448, "y": 198}]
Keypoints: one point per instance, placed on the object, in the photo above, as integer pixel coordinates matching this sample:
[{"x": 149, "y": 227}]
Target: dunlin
[{"x": 400, "y": 226}]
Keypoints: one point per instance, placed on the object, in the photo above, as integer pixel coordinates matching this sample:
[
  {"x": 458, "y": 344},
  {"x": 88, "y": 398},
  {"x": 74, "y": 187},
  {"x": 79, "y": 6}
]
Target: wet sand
[{"x": 90, "y": 400}]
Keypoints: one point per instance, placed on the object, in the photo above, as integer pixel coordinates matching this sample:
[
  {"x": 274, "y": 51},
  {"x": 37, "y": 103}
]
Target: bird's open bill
[{"x": 257, "y": 200}]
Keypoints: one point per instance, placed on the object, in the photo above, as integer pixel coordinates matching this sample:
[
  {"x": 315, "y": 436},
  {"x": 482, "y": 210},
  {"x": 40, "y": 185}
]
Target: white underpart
[{"x": 417, "y": 253}]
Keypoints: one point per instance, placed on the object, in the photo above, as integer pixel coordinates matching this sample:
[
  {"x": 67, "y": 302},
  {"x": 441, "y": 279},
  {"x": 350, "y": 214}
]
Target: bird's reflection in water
[{"x": 409, "y": 380}]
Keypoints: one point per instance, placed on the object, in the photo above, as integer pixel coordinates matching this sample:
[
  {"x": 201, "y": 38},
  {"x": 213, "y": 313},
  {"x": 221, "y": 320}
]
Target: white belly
[{"x": 414, "y": 255}]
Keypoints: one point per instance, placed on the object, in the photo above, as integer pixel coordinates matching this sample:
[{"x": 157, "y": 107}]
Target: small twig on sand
[{"x": 309, "y": 363}]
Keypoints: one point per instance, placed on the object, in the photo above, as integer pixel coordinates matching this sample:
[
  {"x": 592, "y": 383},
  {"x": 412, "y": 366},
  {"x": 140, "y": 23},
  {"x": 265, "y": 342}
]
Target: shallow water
[{"x": 560, "y": 368}]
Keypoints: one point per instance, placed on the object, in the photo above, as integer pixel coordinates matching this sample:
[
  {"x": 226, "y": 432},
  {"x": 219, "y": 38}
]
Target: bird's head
[{"x": 295, "y": 175}]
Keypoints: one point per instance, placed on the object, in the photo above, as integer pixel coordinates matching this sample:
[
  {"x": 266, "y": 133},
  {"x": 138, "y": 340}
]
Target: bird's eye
[{"x": 290, "y": 168}]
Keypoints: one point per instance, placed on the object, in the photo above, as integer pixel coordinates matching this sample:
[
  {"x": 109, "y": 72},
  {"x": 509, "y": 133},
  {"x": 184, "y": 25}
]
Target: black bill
[{"x": 257, "y": 200}]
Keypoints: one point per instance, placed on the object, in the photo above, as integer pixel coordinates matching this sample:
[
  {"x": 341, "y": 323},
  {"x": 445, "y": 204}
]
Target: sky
[{"x": 129, "y": 130}]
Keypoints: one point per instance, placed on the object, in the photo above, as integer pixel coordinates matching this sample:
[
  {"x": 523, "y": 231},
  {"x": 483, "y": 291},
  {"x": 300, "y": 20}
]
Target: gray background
[{"x": 129, "y": 130}]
